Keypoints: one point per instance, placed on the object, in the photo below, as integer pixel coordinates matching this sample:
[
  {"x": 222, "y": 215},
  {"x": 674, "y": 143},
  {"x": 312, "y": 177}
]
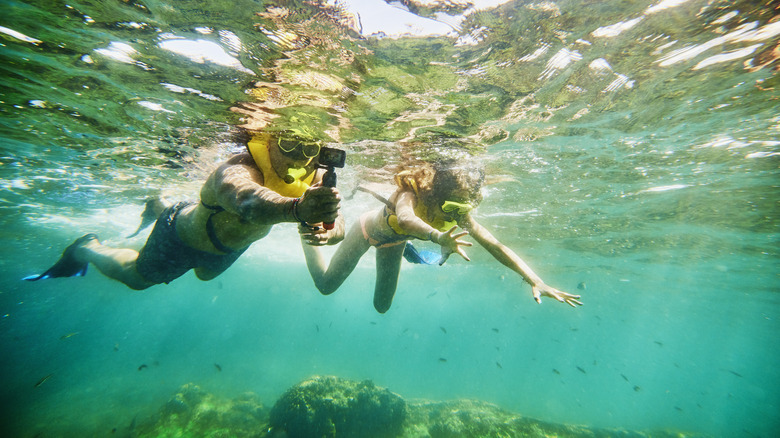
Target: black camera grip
[{"x": 329, "y": 180}]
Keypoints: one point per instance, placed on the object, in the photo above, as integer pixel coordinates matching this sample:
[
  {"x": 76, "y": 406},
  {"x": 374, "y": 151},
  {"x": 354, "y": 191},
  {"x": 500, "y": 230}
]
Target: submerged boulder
[
  {"x": 195, "y": 412},
  {"x": 334, "y": 407}
]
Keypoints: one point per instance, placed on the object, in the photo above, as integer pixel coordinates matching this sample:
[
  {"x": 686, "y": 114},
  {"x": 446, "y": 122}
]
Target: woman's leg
[
  {"x": 388, "y": 266},
  {"x": 329, "y": 278}
]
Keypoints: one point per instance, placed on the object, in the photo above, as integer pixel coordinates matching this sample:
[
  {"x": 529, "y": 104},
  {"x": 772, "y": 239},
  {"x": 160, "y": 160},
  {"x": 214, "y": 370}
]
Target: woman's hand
[
  {"x": 450, "y": 243},
  {"x": 316, "y": 235},
  {"x": 542, "y": 289}
]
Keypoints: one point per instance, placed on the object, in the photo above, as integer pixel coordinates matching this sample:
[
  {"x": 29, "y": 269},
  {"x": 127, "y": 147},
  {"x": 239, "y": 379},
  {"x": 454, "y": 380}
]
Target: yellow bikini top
[
  {"x": 421, "y": 211},
  {"x": 258, "y": 148}
]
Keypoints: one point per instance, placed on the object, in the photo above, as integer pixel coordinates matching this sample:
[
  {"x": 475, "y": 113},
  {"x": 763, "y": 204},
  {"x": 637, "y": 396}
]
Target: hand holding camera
[{"x": 329, "y": 159}]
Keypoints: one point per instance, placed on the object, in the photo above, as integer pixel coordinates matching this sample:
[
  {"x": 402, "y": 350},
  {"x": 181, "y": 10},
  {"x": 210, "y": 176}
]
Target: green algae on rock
[
  {"x": 332, "y": 407},
  {"x": 193, "y": 412}
]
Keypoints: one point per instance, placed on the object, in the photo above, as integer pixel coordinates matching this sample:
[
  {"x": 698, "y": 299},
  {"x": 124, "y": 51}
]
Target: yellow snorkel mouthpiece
[{"x": 294, "y": 174}]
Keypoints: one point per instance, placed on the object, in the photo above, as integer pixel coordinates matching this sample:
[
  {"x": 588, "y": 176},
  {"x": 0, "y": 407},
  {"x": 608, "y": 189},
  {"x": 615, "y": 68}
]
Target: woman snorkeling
[{"x": 429, "y": 204}]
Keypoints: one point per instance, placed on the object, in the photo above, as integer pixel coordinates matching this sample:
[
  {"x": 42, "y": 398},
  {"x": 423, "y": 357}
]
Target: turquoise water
[{"x": 632, "y": 149}]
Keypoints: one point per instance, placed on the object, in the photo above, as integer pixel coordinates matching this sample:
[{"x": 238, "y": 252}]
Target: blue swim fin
[
  {"x": 420, "y": 257},
  {"x": 67, "y": 265}
]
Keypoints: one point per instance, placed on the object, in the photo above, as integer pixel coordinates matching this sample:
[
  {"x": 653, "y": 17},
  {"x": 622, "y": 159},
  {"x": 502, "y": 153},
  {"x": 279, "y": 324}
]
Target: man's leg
[
  {"x": 115, "y": 263},
  {"x": 152, "y": 210},
  {"x": 205, "y": 274}
]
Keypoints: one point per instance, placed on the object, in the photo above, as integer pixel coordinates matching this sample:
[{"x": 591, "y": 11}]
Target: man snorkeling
[
  {"x": 276, "y": 180},
  {"x": 428, "y": 204}
]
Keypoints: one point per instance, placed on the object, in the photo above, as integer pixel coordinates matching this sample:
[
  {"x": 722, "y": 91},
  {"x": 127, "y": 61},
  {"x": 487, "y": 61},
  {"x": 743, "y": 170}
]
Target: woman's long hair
[{"x": 434, "y": 183}]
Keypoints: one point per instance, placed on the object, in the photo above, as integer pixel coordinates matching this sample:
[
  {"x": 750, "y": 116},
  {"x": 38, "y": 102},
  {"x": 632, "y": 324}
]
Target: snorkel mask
[
  {"x": 296, "y": 147},
  {"x": 299, "y": 143}
]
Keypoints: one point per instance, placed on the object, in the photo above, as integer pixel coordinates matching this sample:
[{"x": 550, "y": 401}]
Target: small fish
[
  {"x": 431, "y": 294},
  {"x": 219, "y": 368},
  {"x": 574, "y": 329},
  {"x": 44, "y": 379},
  {"x": 735, "y": 373},
  {"x": 660, "y": 344},
  {"x": 499, "y": 365},
  {"x": 443, "y": 329},
  {"x": 678, "y": 408},
  {"x": 582, "y": 286},
  {"x": 63, "y": 337},
  {"x": 624, "y": 377},
  {"x": 317, "y": 327},
  {"x": 581, "y": 370},
  {"x": 556, "y": 372},
  {"x": 441, "y": 359},
  {"x": 373, "y": 322},
  {"x": 495, "y": 330},
  {"x": 637, "y": 388},
  {"x": 116, "y": 346},
  {"x": 142, "y": 366}
]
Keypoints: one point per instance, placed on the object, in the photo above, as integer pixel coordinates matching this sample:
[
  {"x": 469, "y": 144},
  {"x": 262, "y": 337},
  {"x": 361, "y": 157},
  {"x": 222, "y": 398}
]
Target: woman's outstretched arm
[{"x": 510, "y": 259}]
